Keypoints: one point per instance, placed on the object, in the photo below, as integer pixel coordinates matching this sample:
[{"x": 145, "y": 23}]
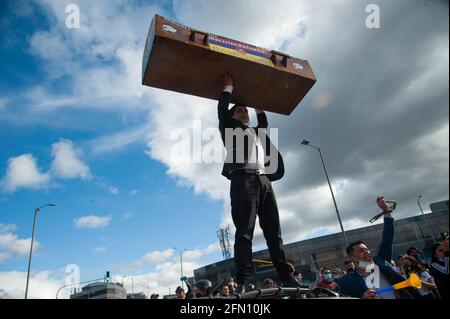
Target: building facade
[
  {"x": 137, "y": 295},
  {"x": 101, "y": 290}
]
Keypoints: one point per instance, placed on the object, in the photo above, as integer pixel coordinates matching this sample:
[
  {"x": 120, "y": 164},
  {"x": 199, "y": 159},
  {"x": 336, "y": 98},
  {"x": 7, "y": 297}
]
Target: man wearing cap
[{"x": 252, "y": 163}]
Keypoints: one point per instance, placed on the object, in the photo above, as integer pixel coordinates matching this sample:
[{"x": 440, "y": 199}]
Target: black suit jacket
[{"x": 273, "y": 159}]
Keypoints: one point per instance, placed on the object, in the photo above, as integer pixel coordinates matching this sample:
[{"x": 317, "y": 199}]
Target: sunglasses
[{"x": 440, "y": 250}]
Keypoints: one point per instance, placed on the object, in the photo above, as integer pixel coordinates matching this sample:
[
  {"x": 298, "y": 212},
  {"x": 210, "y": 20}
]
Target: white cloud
[
  {"x": 114, "y": 51},
  {"x": 106, "y": 186},
  {"x": 7, "y": 228},
  {"x": 165, "y": 273},
  {"x": 22, "y": 8},
  {"x": 11, "y": 246},
  {"x": 163, "y": 277},
  {"x": 49, "y": 45},
  {"x": 173, "y": 108},
  {"x": 100, "y": 250},
  {"x": 66, "y": 163},
  {"x": 92, "y": 221},
  {"x": 22, "y": 172},
  {"x": 432, "y": 146},
  {"x": 113, "y": 190},
  {"x": 162, "y": 280},
  {"x": 264, "y": 26},
  {"x": 157, "y": 256},
  {"x": 117, "y": 141},
  {"x": 4, "y": 255},
  {"x": 45, "y": 284},
  {"x": 128, "y": 215},
  {"x": 3, "y": 103},
  {"x": 42, "y": 285},
  {"x": 195, "y": 254},
  {"x": 42, "y": 100},
  {"x": 150, "y": 258},
  {"x": 169, "y": 256},
  {"x": 134, "y": 192}
]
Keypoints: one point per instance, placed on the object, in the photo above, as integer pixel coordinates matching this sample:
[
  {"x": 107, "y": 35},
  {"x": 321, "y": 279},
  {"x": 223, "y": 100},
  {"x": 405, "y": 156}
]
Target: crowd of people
[
  {"x": 361, "y": 264},
  {"x": 352, "y": 280},
  {"x": 434, "y": 279}
]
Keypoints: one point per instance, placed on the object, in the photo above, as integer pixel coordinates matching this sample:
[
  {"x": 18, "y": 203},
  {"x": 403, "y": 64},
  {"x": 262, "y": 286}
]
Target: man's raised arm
[
  {"x": 222, "y": 108},
  {"x": 386, "y": 248},
  {"x": 262, "y": 118}
]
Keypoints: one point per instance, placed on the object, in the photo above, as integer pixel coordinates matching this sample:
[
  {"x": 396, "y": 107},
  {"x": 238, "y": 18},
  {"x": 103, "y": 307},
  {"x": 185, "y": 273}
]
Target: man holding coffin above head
[{"x": 252, "y": 163}]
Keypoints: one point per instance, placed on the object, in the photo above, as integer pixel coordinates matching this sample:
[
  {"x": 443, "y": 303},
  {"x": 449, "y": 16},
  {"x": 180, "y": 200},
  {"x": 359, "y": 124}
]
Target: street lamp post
[
  {"x": 36, "y": 211},
  {"x": 308, "y": 143},
  {"x": 426, "y": 219},
  {"x": 181, "y": 264}
]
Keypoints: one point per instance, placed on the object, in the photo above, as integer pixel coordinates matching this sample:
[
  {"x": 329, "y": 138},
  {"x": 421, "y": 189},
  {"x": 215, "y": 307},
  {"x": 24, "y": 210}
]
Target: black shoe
[{"x": 290, "y": 282}]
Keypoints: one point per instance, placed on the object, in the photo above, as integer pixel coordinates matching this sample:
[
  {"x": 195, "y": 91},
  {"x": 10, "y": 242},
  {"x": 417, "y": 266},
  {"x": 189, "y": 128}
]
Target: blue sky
[
  {"x": 79, "y": 130},
  {"x": 148, "y": 210}
]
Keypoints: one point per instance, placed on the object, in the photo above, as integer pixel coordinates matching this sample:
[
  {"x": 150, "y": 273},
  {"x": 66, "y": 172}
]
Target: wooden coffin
[{"x": 189, "y": 61}]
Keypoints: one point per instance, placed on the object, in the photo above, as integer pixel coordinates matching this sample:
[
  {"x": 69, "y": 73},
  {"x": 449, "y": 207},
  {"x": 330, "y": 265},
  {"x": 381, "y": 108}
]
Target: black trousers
[{"x": 251, "y": 196}]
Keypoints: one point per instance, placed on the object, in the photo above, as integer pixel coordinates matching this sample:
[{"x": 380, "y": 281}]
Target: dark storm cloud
[{"x": 388, "y": 90}]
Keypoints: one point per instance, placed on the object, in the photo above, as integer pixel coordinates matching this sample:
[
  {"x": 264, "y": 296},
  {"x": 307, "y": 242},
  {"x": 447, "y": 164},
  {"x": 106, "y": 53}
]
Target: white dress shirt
[{"x": 255, "y": 160}]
